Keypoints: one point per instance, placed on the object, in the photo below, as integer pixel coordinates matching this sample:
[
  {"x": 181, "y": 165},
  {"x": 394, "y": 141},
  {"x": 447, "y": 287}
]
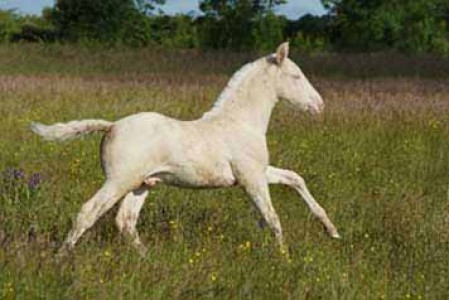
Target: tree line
[{"x": 413, "y": 26}]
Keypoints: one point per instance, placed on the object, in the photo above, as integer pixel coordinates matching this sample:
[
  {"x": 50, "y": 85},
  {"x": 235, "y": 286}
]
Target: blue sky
[{"x": 293, "y": 9}]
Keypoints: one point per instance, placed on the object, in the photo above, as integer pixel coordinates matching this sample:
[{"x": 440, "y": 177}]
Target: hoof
[
  {"x": 141, "y": 249},
  {"x": 143, "y": 252},
  {"x": 336, "y": 236},
  {"x": 63, "y": 254}
]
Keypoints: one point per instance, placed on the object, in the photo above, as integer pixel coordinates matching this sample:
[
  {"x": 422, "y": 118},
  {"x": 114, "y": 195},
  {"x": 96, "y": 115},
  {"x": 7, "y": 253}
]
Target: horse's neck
[{"x": 248, "y": 99}]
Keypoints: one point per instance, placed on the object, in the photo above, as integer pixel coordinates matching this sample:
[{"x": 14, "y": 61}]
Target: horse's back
[{"x": 138, "y": 144}]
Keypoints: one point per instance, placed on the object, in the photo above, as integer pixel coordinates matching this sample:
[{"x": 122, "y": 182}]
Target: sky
[{"x": 294, "y": 8}]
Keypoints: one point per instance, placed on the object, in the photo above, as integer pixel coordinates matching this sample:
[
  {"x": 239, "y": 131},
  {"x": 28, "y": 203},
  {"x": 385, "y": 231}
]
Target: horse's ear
[{"x": 282, "y": 53}]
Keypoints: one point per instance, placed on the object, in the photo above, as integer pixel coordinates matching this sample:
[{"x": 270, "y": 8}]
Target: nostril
[
  {"x": 315, "y": 108},
  {"x": 320, "y": 103}
]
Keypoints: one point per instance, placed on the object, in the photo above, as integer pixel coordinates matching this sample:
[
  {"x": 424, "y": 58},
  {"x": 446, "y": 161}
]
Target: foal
[{"x": 225, "y": 147}]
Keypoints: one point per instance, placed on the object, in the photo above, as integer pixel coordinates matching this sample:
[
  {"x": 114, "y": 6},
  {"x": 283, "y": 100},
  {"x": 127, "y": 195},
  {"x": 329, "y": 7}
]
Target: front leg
[
  {"x": 292, "y": 179},
  {"x": 256, "y": 186}
]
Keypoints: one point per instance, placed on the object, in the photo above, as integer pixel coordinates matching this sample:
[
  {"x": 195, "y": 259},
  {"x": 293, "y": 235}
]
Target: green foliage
[
  {"x": 409, "y": 25},
  {"x": 137, "y": 31},
  {"x": 268, "y": 32},
  {"x": 310, "y": 33},
  {"x": 221, "y": 7},
  {"x": 148, "y": 6},
  {"x": 308, "y": 44},
  {"x": 34, "y": 33},
  {"x": 15, "y": 28},
  {"x": 104, "y": 21},
  {"x": 174, "y": 32},
  {"x": 242, "y": 24},
  {"x": 9, "y": 25},
  {"x": 233, "y": 22}
]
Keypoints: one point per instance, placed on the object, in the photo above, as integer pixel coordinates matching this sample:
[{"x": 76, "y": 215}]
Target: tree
[
  {"x": 9, "y": 24},
  {"x": 230, "y": 22},
  {"x": 310, "y": 33},
  {"x": 102, "y": 20},
  {"x": 268, "y": 31},
  {"x": 219, "y": 7},
  {"x": 147, "y": 6},
  {"x": 15, "y": 27},
  {"x": 174, "y": 31},
  {"x": 406, "y": 25}
]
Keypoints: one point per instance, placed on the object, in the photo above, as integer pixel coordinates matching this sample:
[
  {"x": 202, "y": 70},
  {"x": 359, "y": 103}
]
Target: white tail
[{"x": 61, "y": 132}]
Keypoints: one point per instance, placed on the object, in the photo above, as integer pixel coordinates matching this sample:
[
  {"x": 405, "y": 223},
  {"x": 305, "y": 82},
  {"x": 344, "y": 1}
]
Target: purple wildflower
[
  {"x": 18, "y": 174},
  {"x": 11, "y": 173},
  {"x": 34, "y": 181}
]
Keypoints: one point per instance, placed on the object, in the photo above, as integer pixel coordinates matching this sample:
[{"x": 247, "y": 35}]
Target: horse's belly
[{"x": 199, "y": 176}]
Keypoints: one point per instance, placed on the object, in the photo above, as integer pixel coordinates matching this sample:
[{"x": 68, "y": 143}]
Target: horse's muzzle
[{"x": 316, "y": 108}]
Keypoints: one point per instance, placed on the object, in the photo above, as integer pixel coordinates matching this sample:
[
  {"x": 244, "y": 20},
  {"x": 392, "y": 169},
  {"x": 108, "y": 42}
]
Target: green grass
[{"x": 378, "y": 162}]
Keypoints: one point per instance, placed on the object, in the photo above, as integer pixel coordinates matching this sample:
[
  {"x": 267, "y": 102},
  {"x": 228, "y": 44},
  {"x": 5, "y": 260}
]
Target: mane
[{"x": 230, "y": 91}]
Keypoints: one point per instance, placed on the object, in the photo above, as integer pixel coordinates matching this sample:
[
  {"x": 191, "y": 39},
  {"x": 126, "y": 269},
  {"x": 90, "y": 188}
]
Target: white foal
[{"x": 226, "y": 147}]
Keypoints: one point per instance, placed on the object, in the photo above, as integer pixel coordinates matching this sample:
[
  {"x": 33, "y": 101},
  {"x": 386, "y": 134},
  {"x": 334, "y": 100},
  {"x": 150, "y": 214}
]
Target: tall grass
[{"x": 378, "y": 162}]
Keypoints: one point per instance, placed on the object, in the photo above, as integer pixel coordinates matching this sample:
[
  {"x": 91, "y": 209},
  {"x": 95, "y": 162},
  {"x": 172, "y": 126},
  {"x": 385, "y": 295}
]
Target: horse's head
[{"x": 292, "y": 85}]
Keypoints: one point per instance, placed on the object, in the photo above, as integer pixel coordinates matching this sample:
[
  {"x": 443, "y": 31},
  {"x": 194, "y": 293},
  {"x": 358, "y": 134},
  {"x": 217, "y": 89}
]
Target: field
[{"x": 378, "y": 162}]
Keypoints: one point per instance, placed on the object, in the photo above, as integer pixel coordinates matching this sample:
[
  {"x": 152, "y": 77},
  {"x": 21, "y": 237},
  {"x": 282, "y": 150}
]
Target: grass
[{"x": 378, "y": 162}]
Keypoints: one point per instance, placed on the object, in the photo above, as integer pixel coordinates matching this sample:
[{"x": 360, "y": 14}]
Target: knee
[{"x": 295, "y": 179}]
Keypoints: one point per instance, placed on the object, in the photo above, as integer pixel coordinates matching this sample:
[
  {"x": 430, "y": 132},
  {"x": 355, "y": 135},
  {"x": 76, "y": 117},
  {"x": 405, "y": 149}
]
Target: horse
[{"x": 226, "y": 147}]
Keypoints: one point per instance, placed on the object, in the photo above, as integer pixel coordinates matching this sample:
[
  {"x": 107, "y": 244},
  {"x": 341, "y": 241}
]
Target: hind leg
[
  {"x": 129, "y": 213},
  {"x": 92, "y": 210}
]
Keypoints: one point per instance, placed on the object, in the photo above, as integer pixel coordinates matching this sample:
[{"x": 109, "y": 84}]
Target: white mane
[{"x": 230, "y": 91}]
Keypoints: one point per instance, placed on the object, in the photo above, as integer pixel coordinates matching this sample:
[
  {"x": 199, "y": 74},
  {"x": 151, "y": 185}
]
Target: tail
[{"x": 70, "y": 130}]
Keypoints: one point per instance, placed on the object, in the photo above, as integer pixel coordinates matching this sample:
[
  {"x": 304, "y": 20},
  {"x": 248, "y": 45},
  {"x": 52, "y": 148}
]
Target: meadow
[{"x": 378, "y": 162}]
